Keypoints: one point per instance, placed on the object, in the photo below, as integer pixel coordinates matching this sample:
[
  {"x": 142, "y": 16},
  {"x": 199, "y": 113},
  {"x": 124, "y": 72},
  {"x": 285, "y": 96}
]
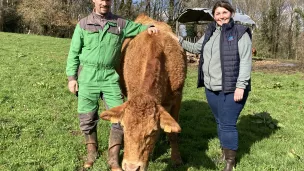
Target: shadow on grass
[
  {"x": 254, "y": 128},
  {"x": 198, "y": 128}
]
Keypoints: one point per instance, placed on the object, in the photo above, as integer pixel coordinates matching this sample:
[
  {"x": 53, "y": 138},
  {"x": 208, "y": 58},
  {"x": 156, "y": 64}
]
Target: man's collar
[
  {"x": 94, "y": 16},
  {"x": 106, "y": 16}
]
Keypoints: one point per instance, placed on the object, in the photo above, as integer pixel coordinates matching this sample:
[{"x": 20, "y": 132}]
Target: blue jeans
[{"x": 226, "y": 112}]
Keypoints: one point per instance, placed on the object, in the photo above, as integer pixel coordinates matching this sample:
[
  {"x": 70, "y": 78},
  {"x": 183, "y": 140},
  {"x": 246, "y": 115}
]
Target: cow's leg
[
  {"x": 175, "y": 154},
  {"x": 173, "y": 137}
]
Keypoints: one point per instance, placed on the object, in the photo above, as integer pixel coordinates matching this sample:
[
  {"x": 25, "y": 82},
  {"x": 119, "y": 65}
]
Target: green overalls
[{"x": 94, "y": 54}]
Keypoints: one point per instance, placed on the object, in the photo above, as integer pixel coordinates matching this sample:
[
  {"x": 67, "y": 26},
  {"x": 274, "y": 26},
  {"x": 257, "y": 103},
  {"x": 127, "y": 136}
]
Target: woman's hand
[{"x": 238, "y": 94}]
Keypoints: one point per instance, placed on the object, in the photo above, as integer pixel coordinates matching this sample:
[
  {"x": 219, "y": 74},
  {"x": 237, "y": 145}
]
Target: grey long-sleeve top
[{"x": 213, "y": 81}]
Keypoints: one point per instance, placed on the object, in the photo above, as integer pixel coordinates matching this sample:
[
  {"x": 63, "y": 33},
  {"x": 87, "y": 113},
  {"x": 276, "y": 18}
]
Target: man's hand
[
  {"x": 73, "y": 86},
  {"x": 238, "y": 94},
  {"x": 153, "y": 30}
]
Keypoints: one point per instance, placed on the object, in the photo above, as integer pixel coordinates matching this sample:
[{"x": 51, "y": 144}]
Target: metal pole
[{"x": 177, "y": 26}]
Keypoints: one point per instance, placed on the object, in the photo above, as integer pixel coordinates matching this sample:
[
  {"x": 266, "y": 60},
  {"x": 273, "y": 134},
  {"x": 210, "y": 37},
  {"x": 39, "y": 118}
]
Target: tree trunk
[
  {"x": 171, "y": 13},
  {"x": 278, "y": 28},
  {"x": 154, "y": 10},
  {"x": 114, "y": 6},
  {"x": 1, "y": 15},
  {"x": 290, "y": 37},
  {"x": 121, "y": 6},
  {"x": 148, "y": 8},
  {"x": 128, "y": 7}
]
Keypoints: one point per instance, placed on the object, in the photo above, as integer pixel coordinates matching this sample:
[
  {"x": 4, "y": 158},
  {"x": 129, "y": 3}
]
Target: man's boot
[
  {"x": 115, "y": 141},
  {"x": 230, "y": 159},
  {"x": 92, "y": 147}
]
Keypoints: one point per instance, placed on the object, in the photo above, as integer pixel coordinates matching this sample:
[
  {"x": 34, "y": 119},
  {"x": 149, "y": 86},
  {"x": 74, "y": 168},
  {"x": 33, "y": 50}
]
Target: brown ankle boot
[
  {"x": 115, "y": 141},
  {"x": 92, "y": 149},
  {"x": 230, "y": 159}
]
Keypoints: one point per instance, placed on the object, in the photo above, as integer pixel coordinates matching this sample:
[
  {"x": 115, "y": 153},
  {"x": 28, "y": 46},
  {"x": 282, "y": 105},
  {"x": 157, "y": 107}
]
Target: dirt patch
[
  {"x": 277, "y": 66},
  {"x": 264, "y": 65}
]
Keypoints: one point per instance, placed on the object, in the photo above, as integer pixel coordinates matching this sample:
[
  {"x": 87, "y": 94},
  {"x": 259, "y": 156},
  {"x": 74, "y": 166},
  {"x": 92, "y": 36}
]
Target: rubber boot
[
  {"x": 92, "y": 148},
  {"x": 115, "y": 141},
  {"x": 230, "y": 159}
]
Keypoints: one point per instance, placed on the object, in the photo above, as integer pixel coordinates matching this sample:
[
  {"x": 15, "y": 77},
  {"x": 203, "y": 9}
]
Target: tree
[
  {"x": 9, "y": 19},
  {"x": 128, "y": 8},
  {"x": 1, "y": 15},
  {"x": 148, "y": 7},
  {"x": 114, "y": 7}
]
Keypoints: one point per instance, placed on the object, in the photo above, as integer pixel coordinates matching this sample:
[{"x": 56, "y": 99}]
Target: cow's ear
[
  {"x": 114, "y": 114},
  {"x": 167, "y": 122}
]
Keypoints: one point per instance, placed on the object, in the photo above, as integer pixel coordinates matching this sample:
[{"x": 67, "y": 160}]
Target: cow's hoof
[
  {"x": 175, "y": 165},
  {"x": 87, "y": 165},
  {"x": 178, "y": 163},
  {"x": 116, "y": 169}
]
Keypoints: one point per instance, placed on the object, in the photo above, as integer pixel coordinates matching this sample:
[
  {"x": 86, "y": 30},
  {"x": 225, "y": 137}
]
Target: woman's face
[{"x": 222, "y": 15}]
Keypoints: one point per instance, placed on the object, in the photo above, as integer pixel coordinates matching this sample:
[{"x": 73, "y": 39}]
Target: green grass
[{"x": 39, "y": 123}]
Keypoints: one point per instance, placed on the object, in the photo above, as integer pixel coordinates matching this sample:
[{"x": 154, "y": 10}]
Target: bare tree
[
  {"x": 121, "y": 6},
  {"x": 128, "y": 8},
  {"x": 1, "y": 15},
  {"x": 148, "y": 7}
]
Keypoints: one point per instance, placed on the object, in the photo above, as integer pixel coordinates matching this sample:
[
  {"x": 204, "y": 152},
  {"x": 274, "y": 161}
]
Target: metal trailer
[{"x": 204, "y": 15}]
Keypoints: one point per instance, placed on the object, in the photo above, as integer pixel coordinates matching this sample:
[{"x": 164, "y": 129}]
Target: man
[{"x": 93, "y": 57}]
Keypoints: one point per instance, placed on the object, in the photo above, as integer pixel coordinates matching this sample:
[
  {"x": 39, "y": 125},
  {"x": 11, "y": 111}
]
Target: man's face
[{"x": 102, "y": 6}]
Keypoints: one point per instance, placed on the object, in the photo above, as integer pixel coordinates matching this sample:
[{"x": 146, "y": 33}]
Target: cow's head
[{"x": 141, "y": 118}]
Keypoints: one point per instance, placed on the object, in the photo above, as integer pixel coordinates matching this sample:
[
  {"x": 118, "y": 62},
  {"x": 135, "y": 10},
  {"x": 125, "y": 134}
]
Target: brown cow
[
  {"x": 254, "y": 51},
  {"x": 154, "y": 73}
]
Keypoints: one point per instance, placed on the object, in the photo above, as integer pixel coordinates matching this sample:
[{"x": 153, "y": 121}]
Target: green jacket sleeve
[
  {"x": 132, "y": 29},
  {"x": 75, "y": 51},
  {"x": 244, "y": 45}
]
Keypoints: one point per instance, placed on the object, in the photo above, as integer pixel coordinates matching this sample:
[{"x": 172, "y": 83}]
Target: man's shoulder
[
  {"x": 119, "y": 20},
  {"x": 83, "y": 22},
  {"x": 116, "y": 17}
]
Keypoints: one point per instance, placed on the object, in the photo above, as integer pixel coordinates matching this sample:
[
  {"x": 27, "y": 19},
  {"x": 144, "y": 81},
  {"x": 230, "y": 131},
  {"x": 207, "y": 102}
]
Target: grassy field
[{"x": 39, "y": 123}]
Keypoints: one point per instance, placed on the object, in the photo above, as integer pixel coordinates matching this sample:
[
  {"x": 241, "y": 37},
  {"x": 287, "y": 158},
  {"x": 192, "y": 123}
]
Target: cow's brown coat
[{"x": 154, "y": 72}]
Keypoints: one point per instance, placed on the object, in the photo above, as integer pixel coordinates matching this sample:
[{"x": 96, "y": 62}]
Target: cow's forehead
[
  {"x": 140, "y": 102},
  {"x": 132, "y": 113},
  {"x": 139, "y": 119}
]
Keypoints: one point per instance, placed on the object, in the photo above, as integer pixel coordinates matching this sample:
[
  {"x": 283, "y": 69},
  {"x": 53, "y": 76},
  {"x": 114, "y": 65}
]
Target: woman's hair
[{"x": 224, "y": 4}]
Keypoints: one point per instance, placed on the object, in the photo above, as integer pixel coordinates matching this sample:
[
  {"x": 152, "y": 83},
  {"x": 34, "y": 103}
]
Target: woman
[{"x": 224, "y": 70}]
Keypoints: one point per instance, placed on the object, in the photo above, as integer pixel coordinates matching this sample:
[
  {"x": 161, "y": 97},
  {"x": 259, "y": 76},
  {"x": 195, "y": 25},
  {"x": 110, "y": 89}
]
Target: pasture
[{"x": 39, "y": 124}]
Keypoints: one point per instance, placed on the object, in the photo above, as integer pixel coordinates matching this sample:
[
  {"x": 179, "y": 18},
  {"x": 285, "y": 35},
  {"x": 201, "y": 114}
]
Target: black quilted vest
[{"x": 229, "y": 54}]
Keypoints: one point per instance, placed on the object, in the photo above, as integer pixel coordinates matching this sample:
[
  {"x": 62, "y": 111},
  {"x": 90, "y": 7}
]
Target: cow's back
[{"x": 154, "y": 64}]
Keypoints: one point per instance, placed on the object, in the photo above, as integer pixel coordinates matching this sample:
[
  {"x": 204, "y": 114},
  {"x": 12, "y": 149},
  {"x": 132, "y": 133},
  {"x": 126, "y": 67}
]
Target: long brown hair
[{"x": 223, "y": 4}]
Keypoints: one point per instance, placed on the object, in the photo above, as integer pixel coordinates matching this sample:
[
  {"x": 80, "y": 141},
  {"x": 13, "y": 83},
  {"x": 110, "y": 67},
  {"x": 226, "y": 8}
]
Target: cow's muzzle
[{"x": 130, "y": 166}]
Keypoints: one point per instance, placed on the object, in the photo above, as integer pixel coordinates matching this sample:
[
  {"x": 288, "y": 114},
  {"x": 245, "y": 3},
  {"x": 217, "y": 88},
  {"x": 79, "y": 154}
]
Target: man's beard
[{"x": 102, "y": 10}]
